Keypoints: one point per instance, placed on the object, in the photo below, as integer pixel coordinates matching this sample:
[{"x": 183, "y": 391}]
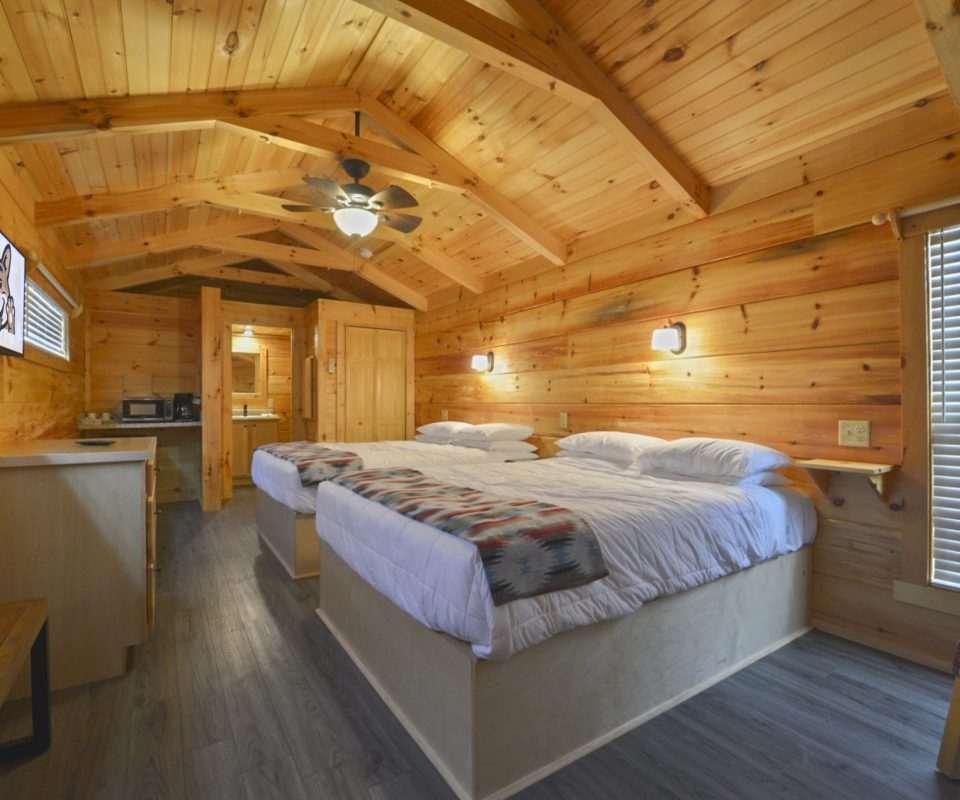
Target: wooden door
[
  {"x": 391, "y": 382},
  {"x": 374, "y": 384},
  {"x": 261, "y": 433}
]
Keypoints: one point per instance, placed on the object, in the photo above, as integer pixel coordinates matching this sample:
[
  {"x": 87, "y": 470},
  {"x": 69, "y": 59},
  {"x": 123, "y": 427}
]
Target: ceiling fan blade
[
  {"x": 393, "y": 197},
  {"x": 405, "y": 223},
  {"x": 303, "y": 209},
  {"x": 327, "y": 187}
]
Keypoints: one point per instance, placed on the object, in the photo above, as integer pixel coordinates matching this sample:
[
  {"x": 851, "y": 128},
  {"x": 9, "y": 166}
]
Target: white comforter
[
  {"x": 658, "y": 537},
  {"x": 280, "y": 479}
]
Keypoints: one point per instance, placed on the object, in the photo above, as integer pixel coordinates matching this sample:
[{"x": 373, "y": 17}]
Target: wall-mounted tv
[{"x": 13, "y": 280}]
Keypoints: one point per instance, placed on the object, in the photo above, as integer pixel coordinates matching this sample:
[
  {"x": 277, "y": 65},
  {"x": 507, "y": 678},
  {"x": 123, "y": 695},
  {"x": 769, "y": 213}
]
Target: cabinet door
[
  {"x": 240, "y": 457},
  {"x": 391, "y": 390},
  {"x": 261, "y": 433},
  {"x": 360, "y": 384}
]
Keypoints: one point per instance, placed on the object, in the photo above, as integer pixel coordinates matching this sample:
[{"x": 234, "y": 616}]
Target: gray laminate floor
[{"x": 242, "y": 693}]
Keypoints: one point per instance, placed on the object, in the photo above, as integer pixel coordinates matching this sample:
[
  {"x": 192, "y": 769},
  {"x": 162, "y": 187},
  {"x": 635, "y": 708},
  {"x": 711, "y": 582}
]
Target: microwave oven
[{"x": 146, "y": 409}]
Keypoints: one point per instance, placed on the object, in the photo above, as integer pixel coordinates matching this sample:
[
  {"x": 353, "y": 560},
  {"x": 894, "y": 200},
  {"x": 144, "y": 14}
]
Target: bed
[
  {"x": 499, "y": 696},
  {"x": 285, "y": 508}
]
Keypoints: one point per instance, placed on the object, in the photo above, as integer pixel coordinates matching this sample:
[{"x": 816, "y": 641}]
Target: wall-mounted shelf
[{"x": 820, "y": 470}]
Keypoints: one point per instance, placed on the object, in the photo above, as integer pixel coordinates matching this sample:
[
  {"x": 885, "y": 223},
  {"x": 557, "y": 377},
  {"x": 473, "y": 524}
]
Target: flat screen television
[{"x": 13, "y": 280}]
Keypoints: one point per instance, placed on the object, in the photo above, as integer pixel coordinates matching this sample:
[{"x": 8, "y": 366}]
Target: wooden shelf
[{"x": 821, "y": 468}]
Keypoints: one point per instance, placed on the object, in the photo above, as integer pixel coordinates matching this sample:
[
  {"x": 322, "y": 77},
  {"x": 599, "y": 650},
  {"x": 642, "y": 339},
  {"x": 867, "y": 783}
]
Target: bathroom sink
[{"x": 264, "y": 415}]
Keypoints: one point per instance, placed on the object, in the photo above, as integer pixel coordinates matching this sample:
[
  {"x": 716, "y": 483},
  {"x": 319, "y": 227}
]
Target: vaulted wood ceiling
[{"x": 520, "y": 127}]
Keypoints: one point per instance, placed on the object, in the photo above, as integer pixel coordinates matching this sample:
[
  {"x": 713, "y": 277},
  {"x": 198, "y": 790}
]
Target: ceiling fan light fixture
[{"x": 355, "y": 222}]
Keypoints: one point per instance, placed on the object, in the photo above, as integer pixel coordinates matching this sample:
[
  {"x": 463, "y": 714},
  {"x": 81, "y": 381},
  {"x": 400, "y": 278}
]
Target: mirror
[{"x": 246, "y": 373}]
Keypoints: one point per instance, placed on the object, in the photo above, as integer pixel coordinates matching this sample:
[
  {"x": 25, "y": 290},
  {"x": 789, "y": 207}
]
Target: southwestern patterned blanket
[
  {"x": 314, "y": 462},
  {"x": 527, "y": 547}
]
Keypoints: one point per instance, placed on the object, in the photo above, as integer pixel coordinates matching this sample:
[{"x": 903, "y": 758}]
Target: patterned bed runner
[
  {"x": 314, "y": 462},
  {"x": 527, "y": 547}
]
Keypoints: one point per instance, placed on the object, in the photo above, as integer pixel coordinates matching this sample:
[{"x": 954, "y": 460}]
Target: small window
[{"x": 45, "y": 323}]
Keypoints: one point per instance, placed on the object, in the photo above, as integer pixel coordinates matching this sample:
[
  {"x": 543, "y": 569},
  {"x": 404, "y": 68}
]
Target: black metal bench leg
[{"x": 39, "y": 741}]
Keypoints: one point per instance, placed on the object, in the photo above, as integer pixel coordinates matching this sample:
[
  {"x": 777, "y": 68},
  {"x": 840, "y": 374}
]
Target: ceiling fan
[{"x": 356, "y": 208}]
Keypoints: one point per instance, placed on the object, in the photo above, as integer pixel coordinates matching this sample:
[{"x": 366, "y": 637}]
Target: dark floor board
[{"x": 243, "y": 693}]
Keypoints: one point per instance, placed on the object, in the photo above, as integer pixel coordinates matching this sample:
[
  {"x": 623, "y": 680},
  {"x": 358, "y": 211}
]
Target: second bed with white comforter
[{"x": 658, "y": 536}]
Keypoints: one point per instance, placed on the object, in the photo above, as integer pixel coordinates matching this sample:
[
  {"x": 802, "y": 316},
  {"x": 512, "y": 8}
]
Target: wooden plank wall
[
  {"x": 782, "y": 342},
  {"x": 279, "y": 375},
  {"x": 41, "y": 395},
  {"x": 140, "y": 346}
]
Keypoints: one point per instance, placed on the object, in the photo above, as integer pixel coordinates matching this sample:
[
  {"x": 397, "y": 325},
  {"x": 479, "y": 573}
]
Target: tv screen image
[{"x": 13, "y": 276}]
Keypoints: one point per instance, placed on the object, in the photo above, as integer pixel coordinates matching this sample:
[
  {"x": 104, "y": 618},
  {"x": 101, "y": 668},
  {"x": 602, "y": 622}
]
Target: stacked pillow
[
  {"x": 717, "y": 460},
  {"x": 495, "y": 436},
  {"x": 700, "y": 458}
]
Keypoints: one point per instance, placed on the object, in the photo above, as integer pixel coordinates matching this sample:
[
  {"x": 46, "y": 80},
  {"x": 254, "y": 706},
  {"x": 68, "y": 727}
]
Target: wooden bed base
[
  {"x": 290, "y": 536},
  {"x": 493, "y": 727}
]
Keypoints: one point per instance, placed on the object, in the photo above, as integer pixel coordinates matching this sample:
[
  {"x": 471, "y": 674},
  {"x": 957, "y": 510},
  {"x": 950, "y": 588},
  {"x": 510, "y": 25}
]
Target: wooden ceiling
[{"x": 520, "y": 127}]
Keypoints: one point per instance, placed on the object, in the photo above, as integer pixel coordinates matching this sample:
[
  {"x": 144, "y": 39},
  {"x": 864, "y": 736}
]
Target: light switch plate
[
  {"x": 564, "y": 420},
  {"x": 331, "y": 365},
  {"x": 854, "y": 433},
  {"x": 444, "y": 415}
]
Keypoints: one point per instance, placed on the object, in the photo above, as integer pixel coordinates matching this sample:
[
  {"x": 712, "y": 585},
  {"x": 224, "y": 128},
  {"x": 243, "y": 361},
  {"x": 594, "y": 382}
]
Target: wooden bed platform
[
  {"x": 290, "y": 536},
  {"x": 494, "y": 727}
]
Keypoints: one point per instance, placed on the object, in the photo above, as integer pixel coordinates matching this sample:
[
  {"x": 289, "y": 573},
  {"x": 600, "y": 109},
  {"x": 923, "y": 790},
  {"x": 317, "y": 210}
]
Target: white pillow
[
  {"x": 759, "y": 479},
  {"x": 441, "y": 429},
  {"x": 705, "y": 457},
  {"x": 494, "y": 432},
  {"x": 421, "y": 437},
  {"x": 499, "y": 446},
  {"x": 609, "y": 445}
]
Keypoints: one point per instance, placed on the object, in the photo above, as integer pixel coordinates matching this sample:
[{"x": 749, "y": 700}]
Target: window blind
[
  {"x": 45, "y": 323},
  {"x": 943, "y": 264}
]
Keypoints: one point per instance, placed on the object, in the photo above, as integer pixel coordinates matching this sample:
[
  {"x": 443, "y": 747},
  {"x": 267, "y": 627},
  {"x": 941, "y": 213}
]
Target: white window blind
[
  {"x": 45, "y": 323},
  {"x": 943, "y": 264}
]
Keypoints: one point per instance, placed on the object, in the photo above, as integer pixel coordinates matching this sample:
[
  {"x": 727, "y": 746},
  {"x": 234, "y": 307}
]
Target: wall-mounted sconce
[
  {"x": 482, "y": 362},
  {"x": 247, "y": 330},
  {"x": 673, "y": 338}
]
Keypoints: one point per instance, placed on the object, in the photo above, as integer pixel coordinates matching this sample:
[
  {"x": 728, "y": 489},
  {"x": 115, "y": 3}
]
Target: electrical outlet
[
  {"x": 854, "y": 433},
  {"x": 564, "y": 421},
  {"x": 444, "y": 415}
]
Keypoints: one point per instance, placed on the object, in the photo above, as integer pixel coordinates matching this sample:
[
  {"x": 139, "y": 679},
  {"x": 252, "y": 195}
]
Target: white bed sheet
[
  {"x": 658, "y": 537},
  {"x": 280, "y": 479}
]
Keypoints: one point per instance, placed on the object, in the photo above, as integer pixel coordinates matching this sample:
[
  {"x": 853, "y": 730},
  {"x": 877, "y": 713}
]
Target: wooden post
[
  {"x": 226, "y": 446},
  {"x": 211, "y": 330}
]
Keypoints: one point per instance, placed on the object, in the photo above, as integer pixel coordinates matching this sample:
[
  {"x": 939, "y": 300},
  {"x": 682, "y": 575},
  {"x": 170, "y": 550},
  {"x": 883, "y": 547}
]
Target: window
[
  {"x": 45, "y": 323},
  {"x": 943, "y": 279}
]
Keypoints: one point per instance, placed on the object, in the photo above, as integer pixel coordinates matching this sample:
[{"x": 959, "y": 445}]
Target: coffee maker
[{"x": 183, "y": 406}]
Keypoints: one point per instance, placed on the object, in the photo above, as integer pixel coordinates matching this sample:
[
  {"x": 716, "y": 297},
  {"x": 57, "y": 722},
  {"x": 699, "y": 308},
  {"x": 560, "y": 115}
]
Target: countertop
[
  {"x": 46, "y": 452},
  {"x": 256, "y": 418},
  {"x": 126, "y": 426}
]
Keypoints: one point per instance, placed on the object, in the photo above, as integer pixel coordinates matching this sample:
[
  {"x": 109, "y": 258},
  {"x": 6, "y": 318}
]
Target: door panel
[
  {"x": 375, "y": 384},
  {"x": 391, "y": 385}
]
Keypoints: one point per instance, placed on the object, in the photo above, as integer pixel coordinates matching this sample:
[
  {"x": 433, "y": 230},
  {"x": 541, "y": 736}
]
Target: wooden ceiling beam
[
  {"x": 139, "y": 277},
  {"x": 514, "y": 219},
  {"x": 87, "y": 208},
  {"x": 306, "y": 276},
  {"x": 941, "y": 18},
  {"x": 283, "y": 253},
  {"x": 550, "y": 59},
  {"x": 363, "y": 268},
  {"x": 72, "y": 118},
  {"x": 98, "y": 255}
]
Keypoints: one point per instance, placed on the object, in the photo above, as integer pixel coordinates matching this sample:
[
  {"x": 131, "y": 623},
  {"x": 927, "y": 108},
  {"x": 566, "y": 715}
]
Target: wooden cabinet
[
  {"x": 375, "y": 384},
  {"x": 248, "y": 435},
  {"x": 78, "y": 529}
]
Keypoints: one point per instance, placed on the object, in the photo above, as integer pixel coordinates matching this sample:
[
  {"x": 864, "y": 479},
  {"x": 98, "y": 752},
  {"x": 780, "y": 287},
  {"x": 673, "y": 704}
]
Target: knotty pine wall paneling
[
  {"x": 41, "y": 395},
  {"x": 140, "y": 346}
]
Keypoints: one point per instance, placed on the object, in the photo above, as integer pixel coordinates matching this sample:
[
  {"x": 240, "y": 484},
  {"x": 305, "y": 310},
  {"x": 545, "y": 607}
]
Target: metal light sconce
[
  {"x": 672, "y": 338},
  {"x": 482, "y": 362}
]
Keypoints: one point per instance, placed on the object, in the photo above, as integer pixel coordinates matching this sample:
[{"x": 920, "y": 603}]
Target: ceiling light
[
  {"x": 673, "y": 338},
  {"x": 355, "y": 222},
  {"x": 247, "y": 330}
]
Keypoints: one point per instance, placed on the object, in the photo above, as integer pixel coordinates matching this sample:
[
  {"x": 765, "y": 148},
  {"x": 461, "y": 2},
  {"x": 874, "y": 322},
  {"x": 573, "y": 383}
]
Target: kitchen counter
[
  {"x": 126, "y": 426},
  {"x": 47, "y": 452}
]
